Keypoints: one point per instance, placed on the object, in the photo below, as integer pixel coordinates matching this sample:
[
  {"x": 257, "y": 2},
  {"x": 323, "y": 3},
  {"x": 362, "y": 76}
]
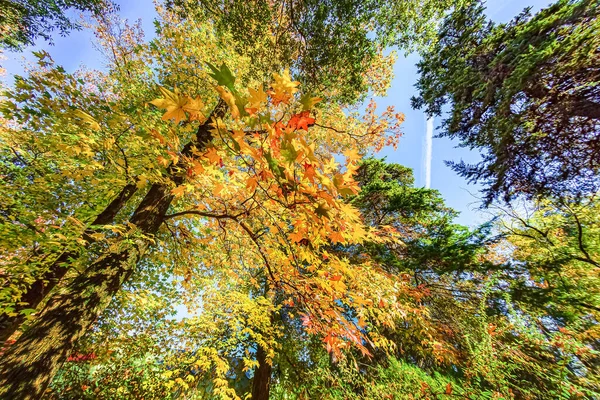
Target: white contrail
[{"x": 427, "y": 154}]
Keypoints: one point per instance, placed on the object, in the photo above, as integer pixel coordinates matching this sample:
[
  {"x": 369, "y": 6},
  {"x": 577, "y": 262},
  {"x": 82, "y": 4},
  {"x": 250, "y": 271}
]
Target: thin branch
[
  {"x": 329, "y": 127},
  {"x": 203, "y": 214},
  {"x": 255, "y": 240},
  {"x": 587, "y": 259}
]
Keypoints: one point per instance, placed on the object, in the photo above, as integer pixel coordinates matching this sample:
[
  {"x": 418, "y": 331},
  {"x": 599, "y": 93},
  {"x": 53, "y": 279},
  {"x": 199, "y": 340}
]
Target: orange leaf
[
  {"x": 336, "y": 237},
  {"x": 301, "y": 121},
  {"x": 296, "y": 237},
  {"x": 213, "y": 156},
  {"x": 178, "y": 191},
  {"x": 251, "y": 183},
  {"x": 217, "y": 190},
  {"x": 449, "y": 388}
]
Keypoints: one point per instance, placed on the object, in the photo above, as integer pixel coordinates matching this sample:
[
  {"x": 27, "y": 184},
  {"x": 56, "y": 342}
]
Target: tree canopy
[
  {"x": 22, "y": 22},
  {"x": 207, "y": 218},
  {"x": 525, "y": 94}
]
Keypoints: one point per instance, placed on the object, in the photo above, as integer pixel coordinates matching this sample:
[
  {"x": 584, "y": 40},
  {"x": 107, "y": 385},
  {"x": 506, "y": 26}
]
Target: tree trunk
[
  {"x": 28, "y": 366},
  {"x": 261, "y": 384},
  {"x": 40, "y": 288}
]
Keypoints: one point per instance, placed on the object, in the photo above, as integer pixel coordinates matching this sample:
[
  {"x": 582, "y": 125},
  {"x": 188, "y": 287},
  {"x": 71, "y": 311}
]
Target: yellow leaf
[
  {"x": 352, "y": 155},
  {"x": 88, "y": 119},
  {"x": 175, "y": 112},
  {"x": 141, "y": 182},
  {"x": 194, "y": 108},
  {"x": 173, "y": 103},
  {"x": 283, "y": 87},
  {"x": 230, "y": 100},
  {"x": 178, "y": 191},
  {"x": 284, "y": 84},
  {"x": 257, "y": 97}
]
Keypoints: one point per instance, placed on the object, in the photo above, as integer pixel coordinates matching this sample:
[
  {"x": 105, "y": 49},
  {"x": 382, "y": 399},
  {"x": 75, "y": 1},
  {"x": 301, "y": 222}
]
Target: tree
[
  {"x": 525, "y": 94},
  {"x": 490, "y": 328},
  {"x": 282, "y": 200},
  {"x": 120, "y": 48},
  {"x": 25, "y": 21},
  {"x": 333, "y": 43},
  {"x": 555, "y": 259}
]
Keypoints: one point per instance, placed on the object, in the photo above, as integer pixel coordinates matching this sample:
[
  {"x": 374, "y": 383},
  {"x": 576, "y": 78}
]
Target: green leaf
[
  {"x": 308, "y": 101},
  {"x": 289, "y": 153},
  {"x": 241, "y": 102},
  {"x": 223, "y": 76},
  {"x": 273, "y": 166},
  {"x": 28, "y": 311}
]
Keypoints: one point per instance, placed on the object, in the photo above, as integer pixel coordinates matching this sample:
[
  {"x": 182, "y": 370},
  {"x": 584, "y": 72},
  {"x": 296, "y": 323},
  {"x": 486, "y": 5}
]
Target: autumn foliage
[{"x": 207, "y": 218}]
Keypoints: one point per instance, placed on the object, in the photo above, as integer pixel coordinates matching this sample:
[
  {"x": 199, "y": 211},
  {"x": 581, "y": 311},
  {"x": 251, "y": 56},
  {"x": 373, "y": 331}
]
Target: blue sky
[
  {"x": 77, "y": 50},
  {"x": 456, "y": 191}
]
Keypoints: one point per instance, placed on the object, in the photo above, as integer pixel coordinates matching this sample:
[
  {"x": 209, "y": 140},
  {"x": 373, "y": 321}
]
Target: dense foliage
[
  {"x": 337, "y": 44},
  {"x": 526, "y": 94},
  {"x": 206, "y": 217},
  {"x": 24, "y": 21}
]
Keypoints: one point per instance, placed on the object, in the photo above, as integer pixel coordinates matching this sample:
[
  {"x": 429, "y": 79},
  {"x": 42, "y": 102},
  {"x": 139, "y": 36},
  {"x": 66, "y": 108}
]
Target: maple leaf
[
  {"x": 296, "y": 237},
  {"x": 352, "y": 155},
  {"x": 336, "y": 237},
  {"x": 88, "y": 119},
  {"x": 178, "y": 191},
  {"x": 251, "y": 183},
  {"x": 230, "y": 100},
  {"x": 251, "y": 111},
  {"x": 257, "y": 97},
  {"x": 173, "y": 103},
  {"x": 198, "y": 168},
  {"x": 290, "y": 154},
  {"x": 306, "y": 320},
  {"x": 222, "y": 75},
  {"x": 301, "y": 121},
  {"x": 283, "y": 88},
  {"x": 213, "y": 156},
  {"x": 194, "y": 108},
  {"x": 448, "y": 389},
  {"x": 309, "y": 172},
  {"x": 273, "y": 165},
  {"x": 284, "y": 84},
  {"x": 308, "y": 102},
  {"x": 322, "y": 211},
  {"x": 217, "y": 189}
]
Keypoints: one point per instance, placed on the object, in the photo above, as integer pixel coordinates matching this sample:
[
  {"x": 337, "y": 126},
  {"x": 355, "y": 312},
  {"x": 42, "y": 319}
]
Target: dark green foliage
[
  {"x": 22, "y": 22},
  {"x": 431, "y": 240},
  {"x": 525, "y": 94},
  {"x": 328, "y": 43}
]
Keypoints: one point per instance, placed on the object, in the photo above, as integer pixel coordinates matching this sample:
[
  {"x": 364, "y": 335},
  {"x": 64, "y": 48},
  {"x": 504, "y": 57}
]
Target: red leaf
[
  {"x": 301, "y": 121},
  {"x": 449, "y": 388}
]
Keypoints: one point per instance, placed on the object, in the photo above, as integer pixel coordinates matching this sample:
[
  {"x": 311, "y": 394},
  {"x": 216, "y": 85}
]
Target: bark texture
[
  {"x": 29, "y": 365},
  {"x": 261, "y": 384},
  {"x": 40, "y": 288}
]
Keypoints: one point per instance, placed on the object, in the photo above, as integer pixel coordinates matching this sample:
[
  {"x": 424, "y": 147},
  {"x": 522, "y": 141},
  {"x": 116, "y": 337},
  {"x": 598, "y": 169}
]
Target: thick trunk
[
  {"x": 28, "y": 366},
  {"x": 40, "y": 288},
  {"x": 261, "y": 384}
]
